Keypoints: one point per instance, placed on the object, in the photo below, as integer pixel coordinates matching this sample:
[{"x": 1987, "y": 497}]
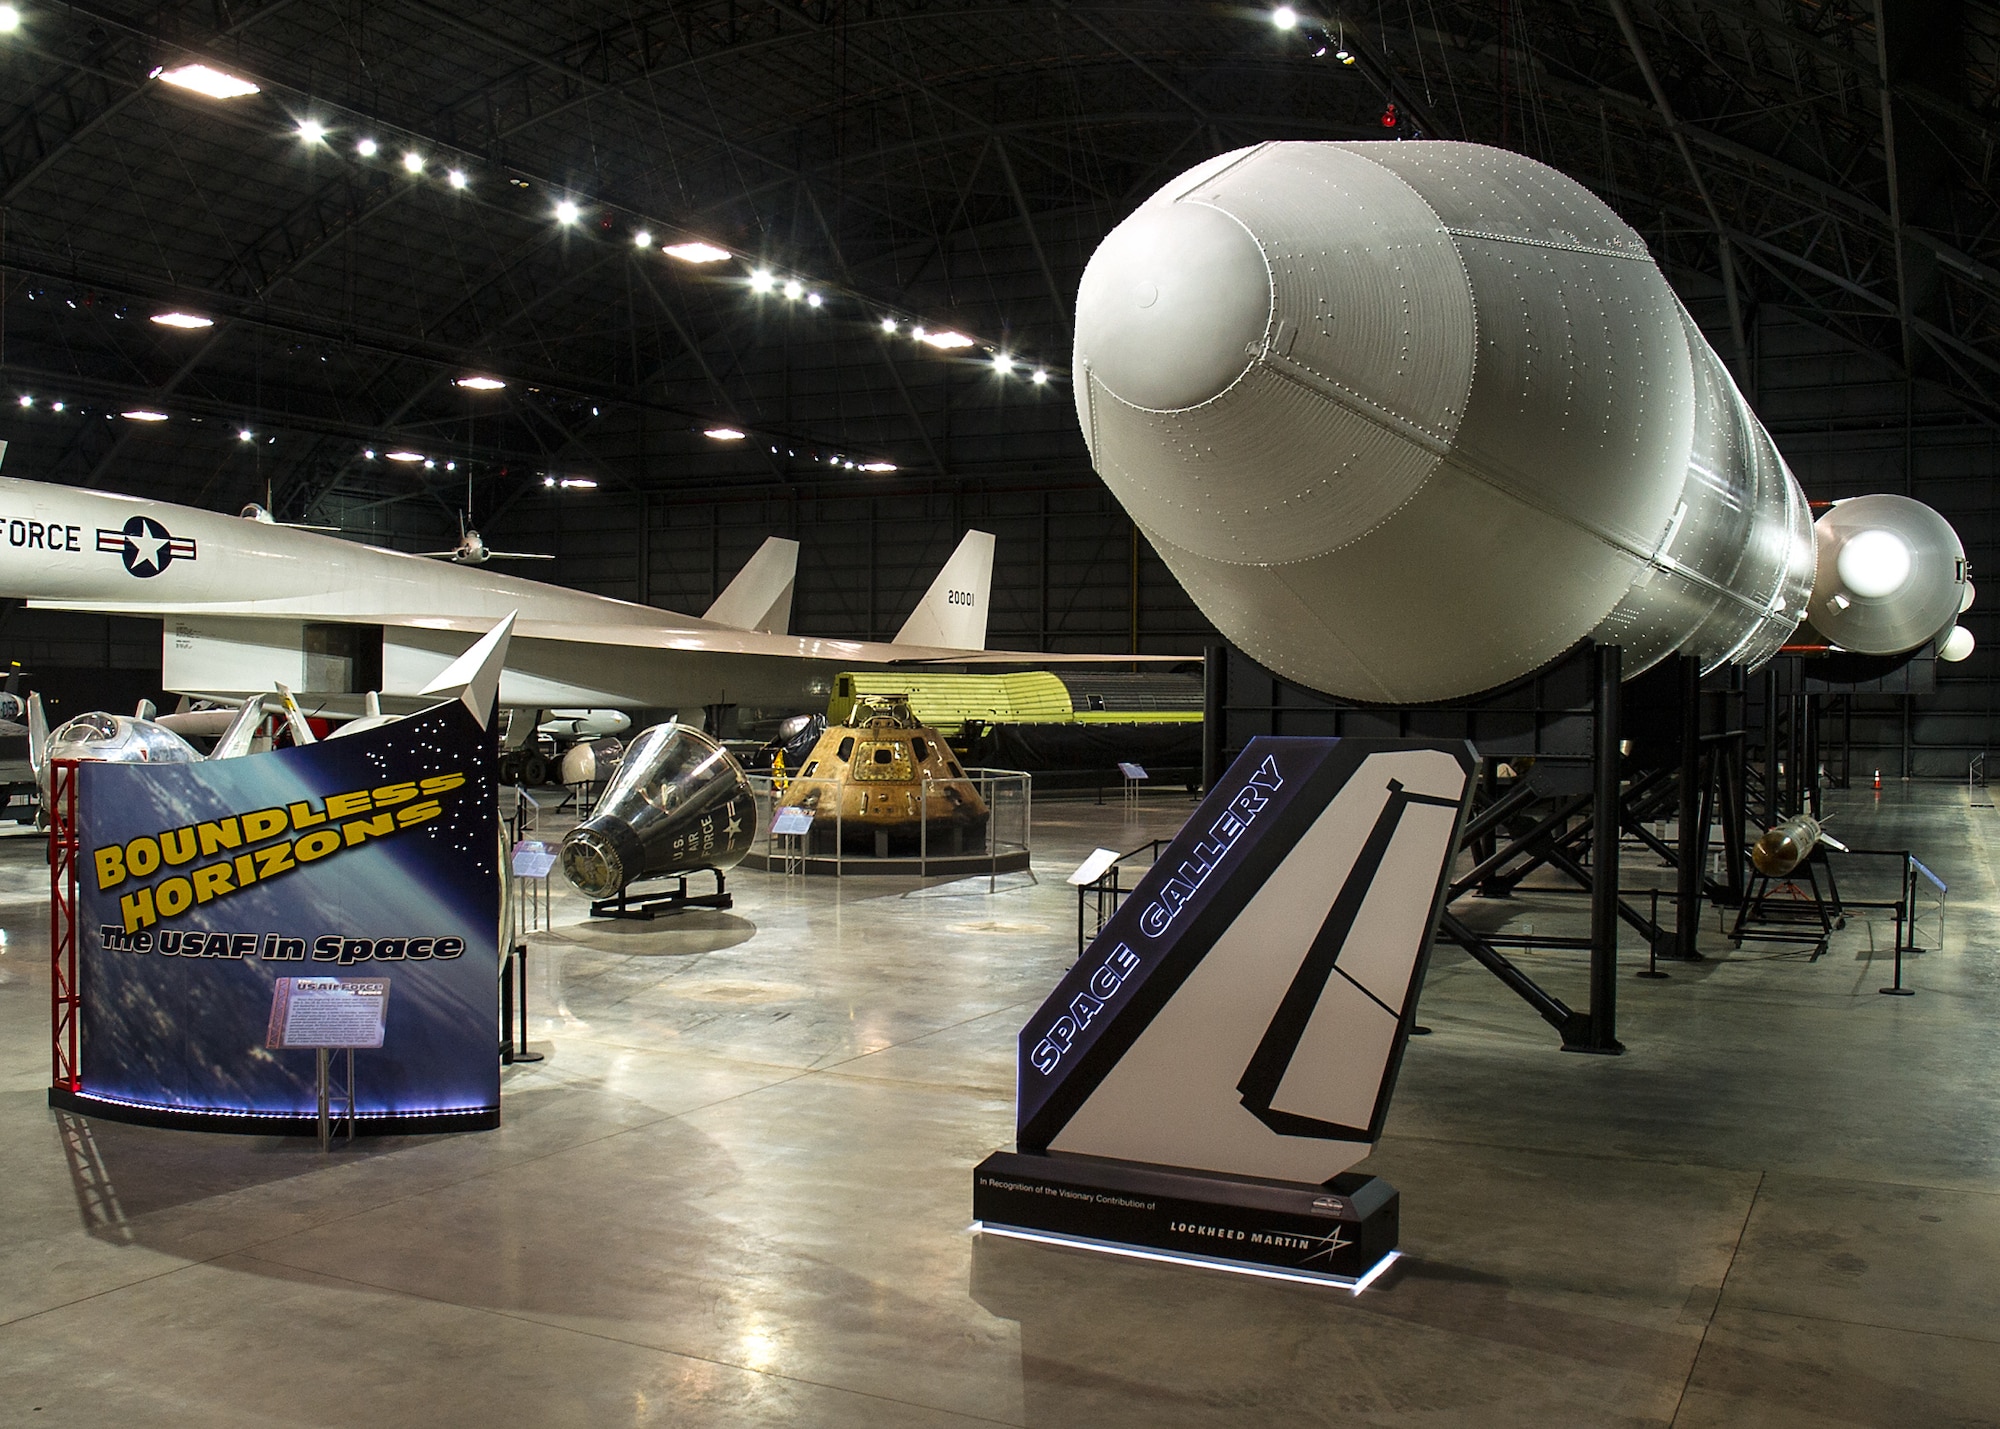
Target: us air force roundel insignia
[
  {"x": 146, "y": 546},
  {"x": 1244, "y": 1013}
]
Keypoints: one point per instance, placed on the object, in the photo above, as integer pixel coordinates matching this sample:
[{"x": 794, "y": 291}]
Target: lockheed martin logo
[{"x": 146, "y": 546}]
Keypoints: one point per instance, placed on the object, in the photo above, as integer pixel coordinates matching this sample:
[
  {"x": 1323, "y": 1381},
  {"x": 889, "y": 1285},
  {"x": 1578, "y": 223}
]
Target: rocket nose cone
[{"x": 1171, "y": 305}]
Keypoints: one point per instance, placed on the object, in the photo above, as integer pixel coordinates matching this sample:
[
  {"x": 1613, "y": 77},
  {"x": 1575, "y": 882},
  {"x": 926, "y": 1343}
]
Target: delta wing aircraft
[{"x": 245, "y": 604}]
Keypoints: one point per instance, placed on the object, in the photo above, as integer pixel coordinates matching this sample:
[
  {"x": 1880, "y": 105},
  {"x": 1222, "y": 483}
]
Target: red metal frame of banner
[{"x": 66, "y": 993}]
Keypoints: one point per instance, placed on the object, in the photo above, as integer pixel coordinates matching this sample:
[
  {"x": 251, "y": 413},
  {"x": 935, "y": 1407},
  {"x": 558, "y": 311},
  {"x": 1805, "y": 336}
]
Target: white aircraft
[{"x": 245, "y": 604}]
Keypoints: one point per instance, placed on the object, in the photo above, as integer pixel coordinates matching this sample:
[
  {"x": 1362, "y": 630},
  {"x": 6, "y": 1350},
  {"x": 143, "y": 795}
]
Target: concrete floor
[{"x": 737, "y": 1192}]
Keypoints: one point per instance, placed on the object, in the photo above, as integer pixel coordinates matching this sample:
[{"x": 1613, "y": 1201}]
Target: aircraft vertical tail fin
[
  {"x": 760, "y": 598},
  {"x": 295, "y": 719},
  {"x": 235, "y": 741},
  {"x": 953, "y": 612},
  {"x": 475, "y": 675},
  {"x": 38, "y": 734}
]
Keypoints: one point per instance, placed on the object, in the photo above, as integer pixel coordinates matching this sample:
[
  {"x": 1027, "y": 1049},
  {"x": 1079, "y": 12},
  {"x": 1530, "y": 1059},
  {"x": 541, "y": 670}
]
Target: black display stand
[
  {"x": 648, "y": 906},
  {"x": 1343, "y": 1234}
]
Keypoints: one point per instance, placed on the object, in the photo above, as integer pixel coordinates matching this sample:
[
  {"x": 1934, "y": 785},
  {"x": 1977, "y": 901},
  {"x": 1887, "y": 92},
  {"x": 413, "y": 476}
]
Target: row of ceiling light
[
  {"x": 214, "y": 83},
  {"x": 218, "y": 84}
]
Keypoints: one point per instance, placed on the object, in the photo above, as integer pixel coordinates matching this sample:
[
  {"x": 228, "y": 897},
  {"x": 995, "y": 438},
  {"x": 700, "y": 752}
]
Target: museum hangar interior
[{"x": 1265, "y": 486}]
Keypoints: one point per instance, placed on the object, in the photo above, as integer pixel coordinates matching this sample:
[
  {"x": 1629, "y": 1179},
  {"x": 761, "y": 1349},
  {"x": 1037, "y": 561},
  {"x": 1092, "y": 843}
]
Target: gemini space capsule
[
  {"x": 678, "y": 802},
  {"x": 1409, "y": 420}
]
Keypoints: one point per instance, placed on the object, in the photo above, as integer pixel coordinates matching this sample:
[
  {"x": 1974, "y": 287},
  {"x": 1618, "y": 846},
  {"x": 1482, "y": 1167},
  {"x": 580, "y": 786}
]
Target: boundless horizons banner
[{"x": 375, "y": 855}]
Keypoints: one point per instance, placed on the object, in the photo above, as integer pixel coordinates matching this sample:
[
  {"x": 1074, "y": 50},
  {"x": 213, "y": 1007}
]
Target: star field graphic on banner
[{"x": 202, "y": 884}]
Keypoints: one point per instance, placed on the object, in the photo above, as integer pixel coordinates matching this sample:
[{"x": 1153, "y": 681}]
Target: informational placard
[
  {"x": 534, "y": 858},
  {"x": 328, "y": 1012},
  {"x": 1094, "y": 867},
  {"x": 792, "y": 821},
  {"x": 1134, "y": 772},
  {"x": 202, "y": 885}
]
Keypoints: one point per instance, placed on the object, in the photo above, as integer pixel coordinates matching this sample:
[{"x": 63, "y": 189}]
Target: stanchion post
[
  {"x": 1601, "y": 1031},
  {"x": 1909, "y": 902},
  {"x": 1653, "y": 943}
]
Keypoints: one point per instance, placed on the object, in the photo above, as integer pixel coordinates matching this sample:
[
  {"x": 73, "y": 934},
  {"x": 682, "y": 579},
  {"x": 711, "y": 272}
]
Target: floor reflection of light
[{"x": 760, "y": 1349}]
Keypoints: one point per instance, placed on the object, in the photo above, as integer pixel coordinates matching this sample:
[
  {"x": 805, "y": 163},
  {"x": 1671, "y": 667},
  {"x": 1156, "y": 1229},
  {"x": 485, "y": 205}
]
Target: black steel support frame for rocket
[{"x": 1711, "y": 781}]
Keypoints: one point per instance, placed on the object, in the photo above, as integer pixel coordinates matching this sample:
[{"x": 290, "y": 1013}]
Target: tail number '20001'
[{"x": 959, "y": 597}]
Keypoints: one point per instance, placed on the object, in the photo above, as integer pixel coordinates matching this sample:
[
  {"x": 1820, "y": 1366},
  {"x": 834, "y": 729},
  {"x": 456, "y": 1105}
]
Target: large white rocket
[{"x": 1408, "y": 420}]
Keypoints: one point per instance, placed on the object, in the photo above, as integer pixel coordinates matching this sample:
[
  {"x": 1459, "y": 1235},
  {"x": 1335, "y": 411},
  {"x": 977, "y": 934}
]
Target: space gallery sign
[{"x": 203, "y": 884}]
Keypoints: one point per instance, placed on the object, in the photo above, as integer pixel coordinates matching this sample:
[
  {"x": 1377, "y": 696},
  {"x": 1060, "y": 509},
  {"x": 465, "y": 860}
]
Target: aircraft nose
[{"x": 1172, "y": 305}]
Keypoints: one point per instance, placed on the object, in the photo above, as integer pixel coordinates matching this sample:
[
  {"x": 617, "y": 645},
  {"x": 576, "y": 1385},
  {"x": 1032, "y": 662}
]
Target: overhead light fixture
[
  {"x": 405, "y": 456},
  {"x": 945, "y": 340},
  {"x": 26, "y": 400},
  {"x": 1039, "y": 376},
  {"x": 312, "y": 131},
  {"x": 696, "y": 252},
  {"x": 567, "y": 212},
  {"x": 202, "y": 79},
  {"x": 642, "y": 239},
  {"x": 1343, "y": 56},
  {"x": 723, "y": 434},
  {"x": 1002, "y": 363},
  {"x": 794, "y": 289},
  {"x": 10, "y": 19},
  {"x": 1285, "y": 17},
  {"x": 456, "y": 178},
  {"x": 917, "y": 331},
  {"x": 369, "y": 453},
  {"x": 413, "y": 162},
  {"x": 244, "y": 434},
  {"x": 366, "y": 148},
  {"x": 548, "y": 481},
  {"x": 888, "y": 324},
  {"x": 813, "y": 300},
  {"x": 55, "y": 406},
  {"x": 183, "y": 320},
  {"x": 142, "y": 414},
  {"x": 429, "y": 465},
  {"x": 578, "y": 483},
  {"x": 761, "y": 281},
  {"x": 878, "y": 466},
  {"x": 480, "y": 384}
]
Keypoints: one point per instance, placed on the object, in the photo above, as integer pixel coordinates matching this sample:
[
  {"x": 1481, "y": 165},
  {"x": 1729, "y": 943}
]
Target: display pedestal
[
  {"x": 1343, "y": 1233},
  {"x": 646, "y": 906}
]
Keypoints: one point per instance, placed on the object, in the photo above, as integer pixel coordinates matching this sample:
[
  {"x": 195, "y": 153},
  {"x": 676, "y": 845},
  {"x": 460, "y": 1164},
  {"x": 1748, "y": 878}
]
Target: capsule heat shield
[{"x": 679, "y": 802}]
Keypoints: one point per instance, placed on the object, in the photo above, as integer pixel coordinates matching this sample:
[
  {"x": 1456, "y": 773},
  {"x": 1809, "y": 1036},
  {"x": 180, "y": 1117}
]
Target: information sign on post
[
  {"x": 792, "y": 821},
  {"x": 328, "y": 1012},
  {"x": 534, "y": 858}
]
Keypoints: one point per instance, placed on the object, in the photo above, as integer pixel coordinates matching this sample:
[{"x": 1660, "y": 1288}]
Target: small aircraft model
[{"x": 472, "y": 550}]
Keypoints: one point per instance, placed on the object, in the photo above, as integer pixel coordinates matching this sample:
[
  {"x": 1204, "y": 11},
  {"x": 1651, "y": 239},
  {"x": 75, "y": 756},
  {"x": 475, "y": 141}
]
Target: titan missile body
[{"x": 1409, "y": 420}]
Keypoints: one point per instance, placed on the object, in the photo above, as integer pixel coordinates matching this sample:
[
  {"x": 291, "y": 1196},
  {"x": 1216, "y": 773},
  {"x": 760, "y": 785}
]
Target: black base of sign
[
  {"x": 266, "y": 1124},
  {"x": 1343, "y": 1233}
]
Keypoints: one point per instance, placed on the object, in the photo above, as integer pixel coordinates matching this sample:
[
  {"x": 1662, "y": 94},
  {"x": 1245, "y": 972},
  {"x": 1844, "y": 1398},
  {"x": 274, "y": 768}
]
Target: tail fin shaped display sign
[
  {"x": 953, "y": 612},
  {"x": 760, "y": 598},
  {"x": 1245, "y": 1010}
]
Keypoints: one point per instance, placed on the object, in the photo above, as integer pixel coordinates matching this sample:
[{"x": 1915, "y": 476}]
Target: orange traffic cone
[{"x": 1878, "y": 779}]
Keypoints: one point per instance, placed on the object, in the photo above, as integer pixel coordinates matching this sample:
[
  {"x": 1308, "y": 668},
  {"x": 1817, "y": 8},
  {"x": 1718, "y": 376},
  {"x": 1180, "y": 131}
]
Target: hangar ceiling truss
[{"x": 940, "y": 162}]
